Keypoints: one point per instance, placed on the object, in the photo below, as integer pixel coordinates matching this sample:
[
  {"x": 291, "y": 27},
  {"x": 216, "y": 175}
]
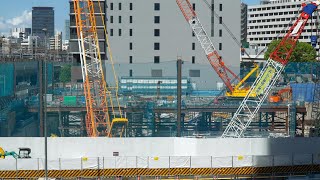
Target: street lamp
[{"x": 45, "y": 106}]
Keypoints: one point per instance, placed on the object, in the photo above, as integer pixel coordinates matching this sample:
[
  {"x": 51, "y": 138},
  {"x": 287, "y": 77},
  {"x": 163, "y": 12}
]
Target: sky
[{"x": 17, "y": 13}]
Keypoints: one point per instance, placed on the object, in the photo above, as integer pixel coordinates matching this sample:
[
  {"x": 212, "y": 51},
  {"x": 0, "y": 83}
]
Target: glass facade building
[
  {"x": 6, "y": 79},
  {"x": 42, "y": 17},
  {"x": 67, "y": 29}
]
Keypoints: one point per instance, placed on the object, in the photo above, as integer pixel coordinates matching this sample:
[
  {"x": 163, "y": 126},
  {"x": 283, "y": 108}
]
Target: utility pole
[
  {"x": 179, "y": 94},
  {"x": 45, "y": 106}
]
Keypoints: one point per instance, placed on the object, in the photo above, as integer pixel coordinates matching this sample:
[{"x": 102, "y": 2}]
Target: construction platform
[{"x": 155, "y": 157}]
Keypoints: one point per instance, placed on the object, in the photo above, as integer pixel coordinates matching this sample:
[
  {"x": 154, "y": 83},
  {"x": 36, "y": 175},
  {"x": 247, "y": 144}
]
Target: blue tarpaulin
[{"x": 303, "y": 91}]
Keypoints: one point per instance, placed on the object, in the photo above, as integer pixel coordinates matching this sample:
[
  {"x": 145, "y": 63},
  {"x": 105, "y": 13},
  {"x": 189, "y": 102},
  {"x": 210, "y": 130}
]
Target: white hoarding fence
[{"x": 119, "y": 162}]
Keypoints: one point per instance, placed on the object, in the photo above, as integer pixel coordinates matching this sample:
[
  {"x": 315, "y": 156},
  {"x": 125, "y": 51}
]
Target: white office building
[
  {"x": 272, "y": 18},
  {"x": 147, "y": 36},
  {"x": 56, "y": 42}
]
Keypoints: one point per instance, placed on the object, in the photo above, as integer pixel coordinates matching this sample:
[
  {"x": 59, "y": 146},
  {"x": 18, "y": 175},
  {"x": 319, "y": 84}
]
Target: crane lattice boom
[
  {"x": 212, "y": 55},
  {"x": 95, "y": 89},
  {"x": 268, "y": 76}
]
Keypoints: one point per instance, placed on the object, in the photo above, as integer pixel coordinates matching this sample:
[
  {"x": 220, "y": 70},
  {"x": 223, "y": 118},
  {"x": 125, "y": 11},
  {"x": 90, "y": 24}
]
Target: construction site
[{"x": 263, "y": 124}]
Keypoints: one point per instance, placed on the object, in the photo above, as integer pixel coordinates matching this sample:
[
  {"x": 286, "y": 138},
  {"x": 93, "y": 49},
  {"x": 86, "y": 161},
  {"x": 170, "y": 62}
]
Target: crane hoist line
[
  {"x": 269, "y": 75},
  {"x": 212, "y": 55},
  {"x": 215, "y": 60},
  {"x": 99, "y": 120}
]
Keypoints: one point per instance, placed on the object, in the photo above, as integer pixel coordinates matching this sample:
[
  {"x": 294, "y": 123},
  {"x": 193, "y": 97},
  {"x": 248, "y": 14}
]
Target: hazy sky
[{"x": 17, "y": 13}]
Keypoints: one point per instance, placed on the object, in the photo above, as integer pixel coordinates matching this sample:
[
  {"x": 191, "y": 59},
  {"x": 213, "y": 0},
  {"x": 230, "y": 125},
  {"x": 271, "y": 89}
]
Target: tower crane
[
  {"x": 98, "y": 96},
  {"x": 269, "y": 75},
  {"x": 215, "y": 60}
]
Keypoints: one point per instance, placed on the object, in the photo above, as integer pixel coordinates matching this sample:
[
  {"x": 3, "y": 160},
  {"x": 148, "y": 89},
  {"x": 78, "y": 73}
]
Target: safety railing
[{"x": 118, "y": 162}]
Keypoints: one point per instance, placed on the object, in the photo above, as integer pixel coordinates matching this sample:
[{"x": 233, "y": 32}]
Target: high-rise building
[
  {"x": 73, "y": 42},
  {"x": 43, "y": 17},
  {"x": 244, "y": 22},
  {"x": 67, "y": 30},
  {"x": 271, "y": 19},
  {"x": 146, "y": 36},
  {"x": 56, "y": 42}
]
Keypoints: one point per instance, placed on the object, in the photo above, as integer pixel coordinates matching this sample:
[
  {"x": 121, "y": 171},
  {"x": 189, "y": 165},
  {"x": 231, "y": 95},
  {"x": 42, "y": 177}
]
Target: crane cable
[
  {"x": 232, "y": 35},
  {"x": 226, "y": 27},
  {"x": 112, "y": 63}
]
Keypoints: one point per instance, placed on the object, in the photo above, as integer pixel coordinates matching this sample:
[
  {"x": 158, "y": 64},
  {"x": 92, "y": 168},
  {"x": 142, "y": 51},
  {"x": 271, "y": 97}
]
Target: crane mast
[
  {"x": 213, "y": 57},
  {"x": 95, "y": 89},
  {"x": 268, "y": 76}
]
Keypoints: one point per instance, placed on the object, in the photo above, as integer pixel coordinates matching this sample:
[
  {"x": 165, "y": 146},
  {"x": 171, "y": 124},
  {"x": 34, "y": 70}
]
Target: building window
[
  {"x": 130, "y": 19},
  {"x": 130, "y": 72},
  {"x": 130, "y": 46},
  {"x": 156, "y": 46},
  {"x": 120, "y": 32},
  {"x": 119, "y": 6},
  {"x": 130, "y": 59},
  {"x": 157, "y": 6},
  {"x": 111, "y": 32},
  {"x": 156, "y": 59},
  {"x": 220, "y": 20},
  {"x": 130, "y": 6},
  {"x": 194, "y": 73},
  {"x": 220, "y": 46},
  {"x": 220, "y": 7},
  {"x": 193, "y": 46},
  {"x": 156, "y": 72},
  {"x": 193, "y": 34},
  {"x": 194, "y": 6},
  {"x": 220, "y": 33},
  {"x": 120, "y": 19},
  {"x": 157, "y": 32},
  {"x": 130, "y": 32},
  {"x": 111, "y": 19},
  {"x": 111, "y": 6},
  {"x": 193, "y": 59},
  {"x": 157, "y": 19}
]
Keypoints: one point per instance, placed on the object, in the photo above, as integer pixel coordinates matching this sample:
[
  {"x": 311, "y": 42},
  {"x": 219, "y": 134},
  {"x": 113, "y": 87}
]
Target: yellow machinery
[
  {"x": 238, "y": 90},
  {"x": 24, "y": 153}
]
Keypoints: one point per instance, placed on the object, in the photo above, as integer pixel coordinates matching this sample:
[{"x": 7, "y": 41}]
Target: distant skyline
[{"x": 17, "y": 13}]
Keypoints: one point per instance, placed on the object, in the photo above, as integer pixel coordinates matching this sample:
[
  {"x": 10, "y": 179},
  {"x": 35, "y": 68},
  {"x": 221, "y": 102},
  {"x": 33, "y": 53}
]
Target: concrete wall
[
  {"x": 103, "y": 147},
  {"x": 175, "y": 38}
]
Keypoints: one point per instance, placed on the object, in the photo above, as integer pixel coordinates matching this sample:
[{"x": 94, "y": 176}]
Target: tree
[
  {"x": 303, "y": 52},
  {"x": 65, "y": 74}
]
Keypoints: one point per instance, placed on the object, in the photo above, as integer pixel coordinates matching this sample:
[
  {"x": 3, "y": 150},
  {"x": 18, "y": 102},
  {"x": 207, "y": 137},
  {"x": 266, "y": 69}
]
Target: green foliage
[
  {"x": 303, "y": 52},
  {"x": 65, "y": 74}
]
